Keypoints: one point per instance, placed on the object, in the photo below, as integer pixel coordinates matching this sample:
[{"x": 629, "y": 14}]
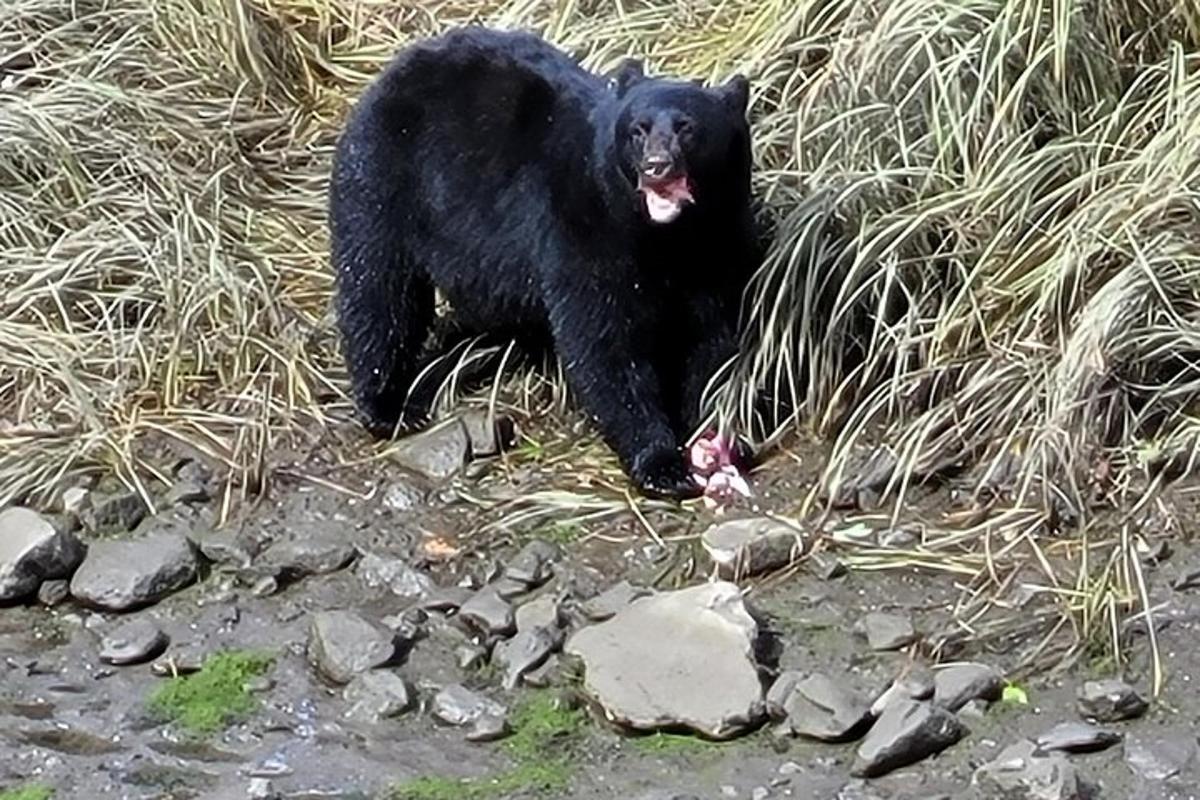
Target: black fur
[{"x": 491, "y": 165}]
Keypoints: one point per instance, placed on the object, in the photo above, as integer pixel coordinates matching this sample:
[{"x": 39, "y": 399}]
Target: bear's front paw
[
  {"x": 386, "y": 424},
  {"x": 662, "y": 473}
]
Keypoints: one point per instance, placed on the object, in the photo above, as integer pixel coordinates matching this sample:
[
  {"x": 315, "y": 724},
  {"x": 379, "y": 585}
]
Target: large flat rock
[{"x": 676, "y": 659}]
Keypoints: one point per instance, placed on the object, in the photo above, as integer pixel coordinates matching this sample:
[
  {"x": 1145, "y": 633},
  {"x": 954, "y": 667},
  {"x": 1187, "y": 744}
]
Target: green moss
[
  {"x": 556, "y": 532},
  {"x": 206, "y": 701},
  {"x": 671, "y": 743},
  {"x": 539, "y": 725},
  {"x": 542, "y": 731},
  {"x": 434, "y": 788},
  {"x": 31, "y": 792}
]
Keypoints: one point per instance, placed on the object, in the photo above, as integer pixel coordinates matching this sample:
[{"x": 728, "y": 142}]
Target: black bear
[{"x": 610, "y": 215}]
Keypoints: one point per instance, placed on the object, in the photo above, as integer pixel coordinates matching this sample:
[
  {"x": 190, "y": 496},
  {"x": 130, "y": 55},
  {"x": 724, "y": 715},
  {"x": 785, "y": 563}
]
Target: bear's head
[{"x": 677, "y": 141}]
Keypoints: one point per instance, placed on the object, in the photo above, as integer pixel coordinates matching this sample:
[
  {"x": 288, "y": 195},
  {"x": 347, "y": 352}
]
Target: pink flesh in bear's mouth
[{"x": 665, "y": 199}]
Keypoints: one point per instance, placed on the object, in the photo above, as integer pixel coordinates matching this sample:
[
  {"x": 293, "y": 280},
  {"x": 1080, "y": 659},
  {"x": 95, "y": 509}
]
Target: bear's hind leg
[{"x": 385, "y": 310}]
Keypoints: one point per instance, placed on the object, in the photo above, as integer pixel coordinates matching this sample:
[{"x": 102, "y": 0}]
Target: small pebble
[
  {"x": 1110, "y": 701},
  {"x": 260, "y": 789},
  {"x": 133, "y": 642},
  {"x": 488, "y": 728},
  {"x": 886, "y": 631},
  {"x": 470, "y": 656},
  {"x": 1077, "y": 737},
  {"x": 179, "y": 661},
  {"x": 258, "y": 684},
  {"x": 51, "y": 593}
]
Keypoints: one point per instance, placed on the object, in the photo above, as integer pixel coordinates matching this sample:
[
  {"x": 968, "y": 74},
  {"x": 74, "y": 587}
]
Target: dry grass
[{"x": 988, "y": 242}]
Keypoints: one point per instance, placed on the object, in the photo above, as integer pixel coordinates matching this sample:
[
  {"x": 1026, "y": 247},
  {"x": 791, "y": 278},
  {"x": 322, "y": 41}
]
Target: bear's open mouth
[{"x": 665, "y": 196}]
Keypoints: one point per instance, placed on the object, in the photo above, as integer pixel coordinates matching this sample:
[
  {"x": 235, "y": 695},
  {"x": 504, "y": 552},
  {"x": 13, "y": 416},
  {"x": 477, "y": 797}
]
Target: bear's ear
[
  {"x": 629, "y": 72},
  {"x": 736, "y": 93}
]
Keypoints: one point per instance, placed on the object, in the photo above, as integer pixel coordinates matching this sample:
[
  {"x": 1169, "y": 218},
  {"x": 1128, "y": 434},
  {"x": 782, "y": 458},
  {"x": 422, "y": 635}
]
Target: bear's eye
[
  {"x": 684, "y": 127},
  {"x": 641, "y": 130}
]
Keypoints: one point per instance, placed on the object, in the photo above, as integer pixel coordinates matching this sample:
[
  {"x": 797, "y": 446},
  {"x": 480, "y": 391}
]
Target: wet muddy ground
[{"x": 84, "y": 728}]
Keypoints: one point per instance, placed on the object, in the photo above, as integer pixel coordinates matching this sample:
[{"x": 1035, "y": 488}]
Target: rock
[
  {"x": 955, "y": 686},
  {"x": 374, "y": 696},
  {"x": 532, "y": 565},
  {"x": 438, "y": 453},
  {"x": 121, "y": 510},
  {"x": 1110, "y": 701},
  {"x": 974, "y": 709},
  {"x": 470, "y": 656},
  {"x": 676, "y": 659},
  {"x": 265, "y": 586},
  {"x": 186, "y": 492},
  {"x": 860, "y": 790},
  {"x": 865, "y": 477},
  {"x": 745, "y": 547},
  {"x": 396, "y": 574},
  {"x": 1020, "y": 772},
  {"x": 180, "y": 660},
  {"x": 606, "y": 604},
  {"x": 446, "y": 598},
  {"x": 259, "y": 684},
  {"x": 457, "y": 705},
  {"x": 294, "y": 559},
  {"x": 122, "y": 574},
  {"x": 75, "y": 500},
  {"x": 578, "y": 581},
  {"x": 543, "y": 676},
  {"x": 1187, "y": 577},
  {"x": 33, "y": 550},
  {"x": 908, "y": 731},
  {"x": 886, "y": 631},
  {"x": 133, "y": 642},
  {"x": 221, "y": 547},
  {"x": 915, "y": 683},
  {"x": 507, "y": 588},
  {"x": 260, "y": 789},
  {"x": 488, "y": 728},
  {"x": 1077, "y": 737},
  {"x": 780, "y": 693},
  {"x": 525, "y": 652},
  {"x": 489, "y": 434},
  {"x": 51, "y": 593},
  {"x": 541, "y": 612},
  {"x": 489, "y": 612},
  {"x": 825, "y": 565},
  {"x": 820, "y": 708},
  {"x": 342, "y": 644},
  {"x": 1163, "y": 756},
  {"x": 403, "y": 496},
  {"x": 409, "y": 624},
  {"x": 193, "y": 471}
]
